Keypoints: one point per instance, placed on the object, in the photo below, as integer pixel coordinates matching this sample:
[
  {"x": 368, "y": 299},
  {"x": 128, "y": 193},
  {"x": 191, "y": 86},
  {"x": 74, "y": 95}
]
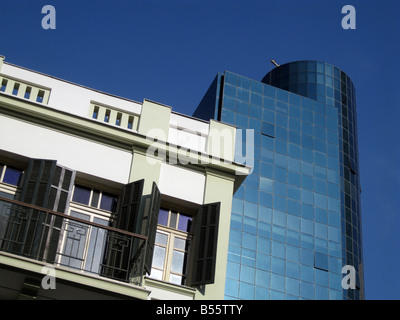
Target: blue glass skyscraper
[{"x": 296, "y": 220}]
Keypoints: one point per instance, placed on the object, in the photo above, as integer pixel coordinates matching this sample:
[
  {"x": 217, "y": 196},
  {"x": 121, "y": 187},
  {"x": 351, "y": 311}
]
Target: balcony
[{"x": 69, "y": 243}]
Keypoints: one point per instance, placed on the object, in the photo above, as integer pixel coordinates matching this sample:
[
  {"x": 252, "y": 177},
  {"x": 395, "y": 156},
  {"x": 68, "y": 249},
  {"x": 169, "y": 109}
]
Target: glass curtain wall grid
[{"x": 296, "y": 219}]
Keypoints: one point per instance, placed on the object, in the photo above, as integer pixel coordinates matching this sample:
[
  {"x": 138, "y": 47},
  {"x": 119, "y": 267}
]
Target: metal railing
[{"x": 52, "y": 237}]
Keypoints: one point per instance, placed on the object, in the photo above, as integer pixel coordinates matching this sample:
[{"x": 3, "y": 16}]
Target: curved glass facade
[
  {"x": 326, "y": 83},
  {"x": 296, "y": 219}
]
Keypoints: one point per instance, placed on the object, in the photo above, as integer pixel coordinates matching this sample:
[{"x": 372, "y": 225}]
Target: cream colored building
[{"x": 102, "y": 197}]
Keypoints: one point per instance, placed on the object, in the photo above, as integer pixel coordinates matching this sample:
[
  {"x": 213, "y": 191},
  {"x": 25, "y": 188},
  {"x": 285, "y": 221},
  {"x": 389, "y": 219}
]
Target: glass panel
[
  {"x": 173, "y": 278},
  {"x": 108, "y": 202},
  {"x": 156, "y": 274},
  {"x": 12, "y": 176},
  {"x": 40, "y": 96},
  {"x": 268, "y": 129},
  {"x": 163, "y": 217},
  {"x": 15, "y": 90},
  {"x": 3, "y": 85},
  {"x": 27, "y": 93},
  {"x": 95, "y": 112},
  {"x": 177, "y": 261},
  {"x": 179, "y": 243},
  {"x": 74, "y": 242},
  {"x": 161, "y": 238},
  {"x": 81, "y": 195},
  {"x": 96, "y": 247},
  {"x": 95, "y": 198},
  {"x": 158, "y": 257},
  {"x": 172, "y": 221},
  {"x": 185, "y": 223}
]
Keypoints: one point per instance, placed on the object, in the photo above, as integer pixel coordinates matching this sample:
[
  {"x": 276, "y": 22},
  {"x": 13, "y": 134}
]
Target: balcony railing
[{"x": 44, "y": 235}]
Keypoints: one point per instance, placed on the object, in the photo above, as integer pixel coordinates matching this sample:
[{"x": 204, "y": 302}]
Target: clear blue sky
[{"x": 169, "y": 51}]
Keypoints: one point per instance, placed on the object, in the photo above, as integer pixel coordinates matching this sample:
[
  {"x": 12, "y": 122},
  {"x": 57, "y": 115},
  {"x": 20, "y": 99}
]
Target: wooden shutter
[
  {"x": 47, "y": 185},
  {"x": 121, "y": 249},
  {"x": 206, "y": 236},
  {"x": 137, "y": 214},
  {"x": 128, "y": 215},
  {"x": 150, "y": 220}
]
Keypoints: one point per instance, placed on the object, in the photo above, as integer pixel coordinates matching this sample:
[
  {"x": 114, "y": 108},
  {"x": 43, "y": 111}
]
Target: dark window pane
[
  {"x": 321, "y": 261},
  {"x": 108, "y": 202},
  {"x": 95, "y": 198},
  {"x": 172, "y": 220},
  {"x": 185, "y": 223},
  {"x": 3, "y": 85},
  {"x": 12, "y": 176},
  {"x": 163, "y": 217},
  {"x": 268, "y": 129},
  {"x": 81, "y": 195}
]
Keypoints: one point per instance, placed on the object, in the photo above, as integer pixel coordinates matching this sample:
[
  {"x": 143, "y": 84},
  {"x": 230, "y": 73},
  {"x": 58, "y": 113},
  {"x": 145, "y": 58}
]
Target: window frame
[
  {"x": 89, "y": 207},
  {"x": 5, "y": 186},
  {"x": 93, "y": 213},
  {"x": 172, "y": 233}
]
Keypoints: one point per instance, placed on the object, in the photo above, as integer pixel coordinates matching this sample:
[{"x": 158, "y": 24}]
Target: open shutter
[
  {"x": 45, "y": 185},
  {"x": 150, "y": 218},
  {"x": 206, "y": 235},
  {"x": 128, "y": 216},
  {"x": 121, "y": 249}
]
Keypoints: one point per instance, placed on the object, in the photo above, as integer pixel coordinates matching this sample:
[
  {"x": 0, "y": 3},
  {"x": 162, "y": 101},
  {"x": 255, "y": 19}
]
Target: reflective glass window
[
  {"x": 306, "y": 290},
  {"x": 246, "y": 291},
  {"x": 247, "y": 274},
  {"x": 294, "y": 178},
  {"x": 292, "y": 286},
  {"x": 321, "y": 261},
  {"x": 262, "y": 278},
  {"x": 81, "y": 194},
  {"x": 269, "y": 104},
  {"x": 268, "y": 129},
  {"x": 12, "y": 175},
  {"x": 292, "y": 269},
  {"x": 277, "y": 282},
  {"x": 230, "y": 91},
  {"x": 232, "y": 288}
]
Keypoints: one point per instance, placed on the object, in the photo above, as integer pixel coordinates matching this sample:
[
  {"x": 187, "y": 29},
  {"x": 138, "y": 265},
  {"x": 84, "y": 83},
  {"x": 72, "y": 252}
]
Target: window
[
  {"x": 83, "y": 245},
  {"x": 95, "y": 112},
  {"x": 40, "y": 96},
  {"x": 3, "y": 85},
  {"x": 321, "y": 261},
  {"x": 15, "y": 89},
  {"x": 95, "y": 198},
  {"x": 173, "y": 238},
  {"x": 118, "y": 120},
  {"x": 107, "y": 115},
  {"x": 130, "y": 122},
  {"x": 27, "y": 94},
  {"x": 10, "y": 175},
  {"x": 268, "y": 129}
]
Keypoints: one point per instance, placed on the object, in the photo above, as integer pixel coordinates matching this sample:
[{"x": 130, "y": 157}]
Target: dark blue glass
[
  {"x": 81, "y": 194},
  {"x": 306, "y": 137},
  {"x": 12, "y": 176}
]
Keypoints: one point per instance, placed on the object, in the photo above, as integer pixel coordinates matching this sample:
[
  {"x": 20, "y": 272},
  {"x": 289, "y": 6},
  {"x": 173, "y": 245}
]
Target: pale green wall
[
  {"x": 219, "y": 188},
  {"x": 154, "y": 120},
  {"x": 153, "y": 123}
]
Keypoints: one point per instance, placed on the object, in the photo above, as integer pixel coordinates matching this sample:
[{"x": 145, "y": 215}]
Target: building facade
[
  {"x": 296, "y": 219},
  {"x": 107, "y": 198}
]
